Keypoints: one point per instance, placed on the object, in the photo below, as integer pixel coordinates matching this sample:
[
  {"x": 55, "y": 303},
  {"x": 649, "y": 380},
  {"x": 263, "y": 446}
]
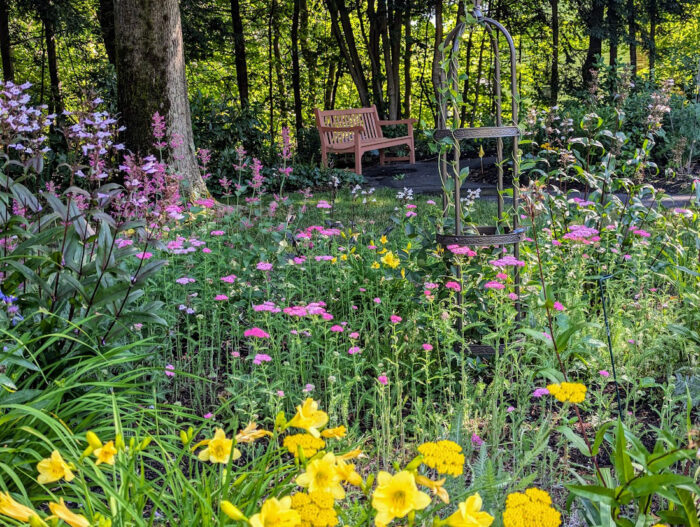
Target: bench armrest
[
  {"x": 341, "y": 128},
  {"x": 400, "y": 121}
]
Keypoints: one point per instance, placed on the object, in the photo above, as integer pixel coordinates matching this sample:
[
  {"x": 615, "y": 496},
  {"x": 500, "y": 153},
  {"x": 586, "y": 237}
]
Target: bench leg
[
  {"x": 324, "y": 158},
  {"x": 411, "y": 153},
  {"x": 358, "y": 163}
]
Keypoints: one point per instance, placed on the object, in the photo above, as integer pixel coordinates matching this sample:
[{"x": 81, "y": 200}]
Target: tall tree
[
  {"x": 48, "y": 16},
  {"x": 377, "y": 27},
  {"x": 105, "y": 15},
  {"x": 408, "y": 53},
  {"x": 613, "y": 29},
  {"x": 296, "y": 70},
  {"x": 632, "y": 34},
  {"x": 5, "y": 49},
  {"x": 593, "y": 16},
  {"x": 343, "y": 32},
  {"x": 554, "y": 78},
  {"x": 151, "y": 78},
  {"x": 239, "y": 52},
  {"x": 436, "y": 50},
  {"x": 310, "y": 58}
]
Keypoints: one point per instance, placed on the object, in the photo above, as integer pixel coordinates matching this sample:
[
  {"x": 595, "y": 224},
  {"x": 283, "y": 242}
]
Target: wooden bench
[{"x": 359, "y": 130}]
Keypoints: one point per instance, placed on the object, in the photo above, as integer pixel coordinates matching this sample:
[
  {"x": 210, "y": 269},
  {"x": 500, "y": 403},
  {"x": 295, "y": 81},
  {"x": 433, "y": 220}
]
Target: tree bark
[
  {"x": 328, "y": 87},
  {"x": 5, "y": 48},
  {"x": 281, "y": 83},
  {"x": 408, "y": 52},
  {"x": 554, "y": 78},
  {"x": 653, "y": 15},
  {"x": 151, "y": 78},
  {"x": 436, "y": 51},
  {"x": 105, "y": 16},
  {"x": 55, "y": 102},
  {"x": 310, "y": 58},
  {"x": 377, "y": 27},
  {"x": 392, "y": 57},
  {"x": 296, "y": 71},
  {"x": 594, "y": 24},
  {"x": 340, "y": 16},
  {"x": 239, "y": 53},
  {"x": 632, "y": 35},
  {"x": 613, "y": 30}
]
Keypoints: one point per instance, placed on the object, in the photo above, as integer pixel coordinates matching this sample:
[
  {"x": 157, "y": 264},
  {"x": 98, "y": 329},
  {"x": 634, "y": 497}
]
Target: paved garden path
[{"x": 423, "y": 178}]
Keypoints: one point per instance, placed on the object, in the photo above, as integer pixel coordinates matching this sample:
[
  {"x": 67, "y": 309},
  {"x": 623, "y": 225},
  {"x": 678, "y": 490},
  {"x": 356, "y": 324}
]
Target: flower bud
[
  {"x": 93, "y": 440},
  {"x": 232, "y": 511}
]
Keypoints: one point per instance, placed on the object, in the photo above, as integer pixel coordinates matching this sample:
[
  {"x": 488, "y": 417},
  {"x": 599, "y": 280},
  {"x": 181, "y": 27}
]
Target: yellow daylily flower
[
  {"x": 396, "y": 496},
  {"x": 347, "y": 473},
  {"x": 17, "y": 511},
  {"x": 383, "y": 239},
  {"x": 60, "y": 510},
  {"x": 322, "y": 474},
  {"x": 435, "y": 486},
  {"x": 53, "y": 469},
  {"x": 469, "y": 514},
  {"x": 106, "y": 453},
  {"x": 390, "y": 260},
  {"x": 375, "y": 265},
  {"x": 350, "y": 455},
  {"x": 276, "y": 513},
  {"x": 309, "y": 417},
  {"x": 335, "y": 433},
  {"x": 218, "y": 449},
  {"x": 250, "y": 433}
]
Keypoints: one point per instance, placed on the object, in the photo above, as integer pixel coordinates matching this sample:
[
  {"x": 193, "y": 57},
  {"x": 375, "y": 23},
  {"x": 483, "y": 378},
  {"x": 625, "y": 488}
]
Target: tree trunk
[
  {"x": 436, "y": 51},
  {"x": 392, "y": 56},
  {"x": 310, "y": 58},
  {"x": 340, "y": 16},
  {"x": 55, "y": 103},
  {"x": 613, "y": 30},
  {"x": 5, "y": 50},
  {"x": 653, "y": 15},
  {"x": 270, "y": 67},
  {"x": 408, "y": 52},
  {"x": 296, "y": 72},
  {"x": 151, "y": 78},
  {"x": 281, "y": 83},
  {"x": 632, "y": 31},
  {"x": 377, "y": 26},
  {"x": 239, "y": 52},
  {"x": 595, "y": 42},
  {"x": 554, "y": 79},
  {"x": 105, "y": 15},
  {"x": 328, "y": 88}
]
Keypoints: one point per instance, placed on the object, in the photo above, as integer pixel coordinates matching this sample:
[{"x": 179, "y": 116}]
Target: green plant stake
[{"x": 601, "y": 285}]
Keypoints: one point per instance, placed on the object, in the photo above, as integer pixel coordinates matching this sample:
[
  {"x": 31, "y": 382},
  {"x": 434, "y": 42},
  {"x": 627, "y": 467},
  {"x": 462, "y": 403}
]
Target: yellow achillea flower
[
  {"x": 469, "y": 514},
  {"x": 335, "y": 433},
  {"x": 106, "y": 453},
  {"x": 322, "y": 474},
  {"x": 60, "y": 510},
  {"x": 396, "y": 496},
  {"x": 277, "y": 513},
  {"x": 435, "y": 486},
  {"x": 309, "y": 418},
  {"x": 533, "y": 508},
  {"x": 218, "y": 449},
  {"x": 315, "y": 509},
  {"x": 250, "y": 433},
  {"x": 568, "y": 392},
  {"x": 348, "y": 473},
  {"x": 390, "y": 260},
  {"x": 444, "y": 456},
  {"x": 17, "y": 511},
  {"x": 53, "y": 469},
  {"x": 309, "y": 444}
]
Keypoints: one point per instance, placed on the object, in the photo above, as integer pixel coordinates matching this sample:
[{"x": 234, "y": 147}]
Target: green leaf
[
  {"x": 575, "y": 439},
  {"x": 595, "y": 493},
  {"x": 621, "y": 459},
  {"x": 649, "y": 484}
]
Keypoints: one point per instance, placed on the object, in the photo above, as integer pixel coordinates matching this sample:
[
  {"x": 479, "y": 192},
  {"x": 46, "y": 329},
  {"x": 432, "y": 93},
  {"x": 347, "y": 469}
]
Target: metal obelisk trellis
[{"x": 499, "y": 235}]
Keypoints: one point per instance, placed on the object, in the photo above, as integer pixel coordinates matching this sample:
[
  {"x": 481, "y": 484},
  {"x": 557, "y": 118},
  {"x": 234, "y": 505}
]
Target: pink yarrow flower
[
  {"x": 395, "y": 319},
  {"x": 264, "y": 266},
  {"x": 220, "y": 298},
  {"x": 558, "y": 306},
  {"x": 229, "y": 279},
  {"x": 256, "y": 333},
  {"x": 427, "y": 347},
  {"x": 604, "y": 373},
  {"x": 261, "y": 357},
  {"x": 539, "y": 392},
  {"x": 170, "y": 370},
  {"x": 383, "y": 379},
  {"x": 494, "y": 285},
  {"x": 453, "y": 285}
]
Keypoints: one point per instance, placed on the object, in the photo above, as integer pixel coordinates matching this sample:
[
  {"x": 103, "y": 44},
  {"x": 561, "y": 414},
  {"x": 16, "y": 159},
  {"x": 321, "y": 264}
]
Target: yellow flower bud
[
  {"x": 183, "y": 437},
  {"x": 93, "y": 440},
  {"x": 145, "y": 443},
  {"x": 119, "y": 442},
  {"x": 232, "y": 511}
]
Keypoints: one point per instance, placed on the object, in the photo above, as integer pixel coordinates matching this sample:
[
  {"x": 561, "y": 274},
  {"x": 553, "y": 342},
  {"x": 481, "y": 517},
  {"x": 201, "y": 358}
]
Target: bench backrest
[{"x": 365, "y": 117}]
